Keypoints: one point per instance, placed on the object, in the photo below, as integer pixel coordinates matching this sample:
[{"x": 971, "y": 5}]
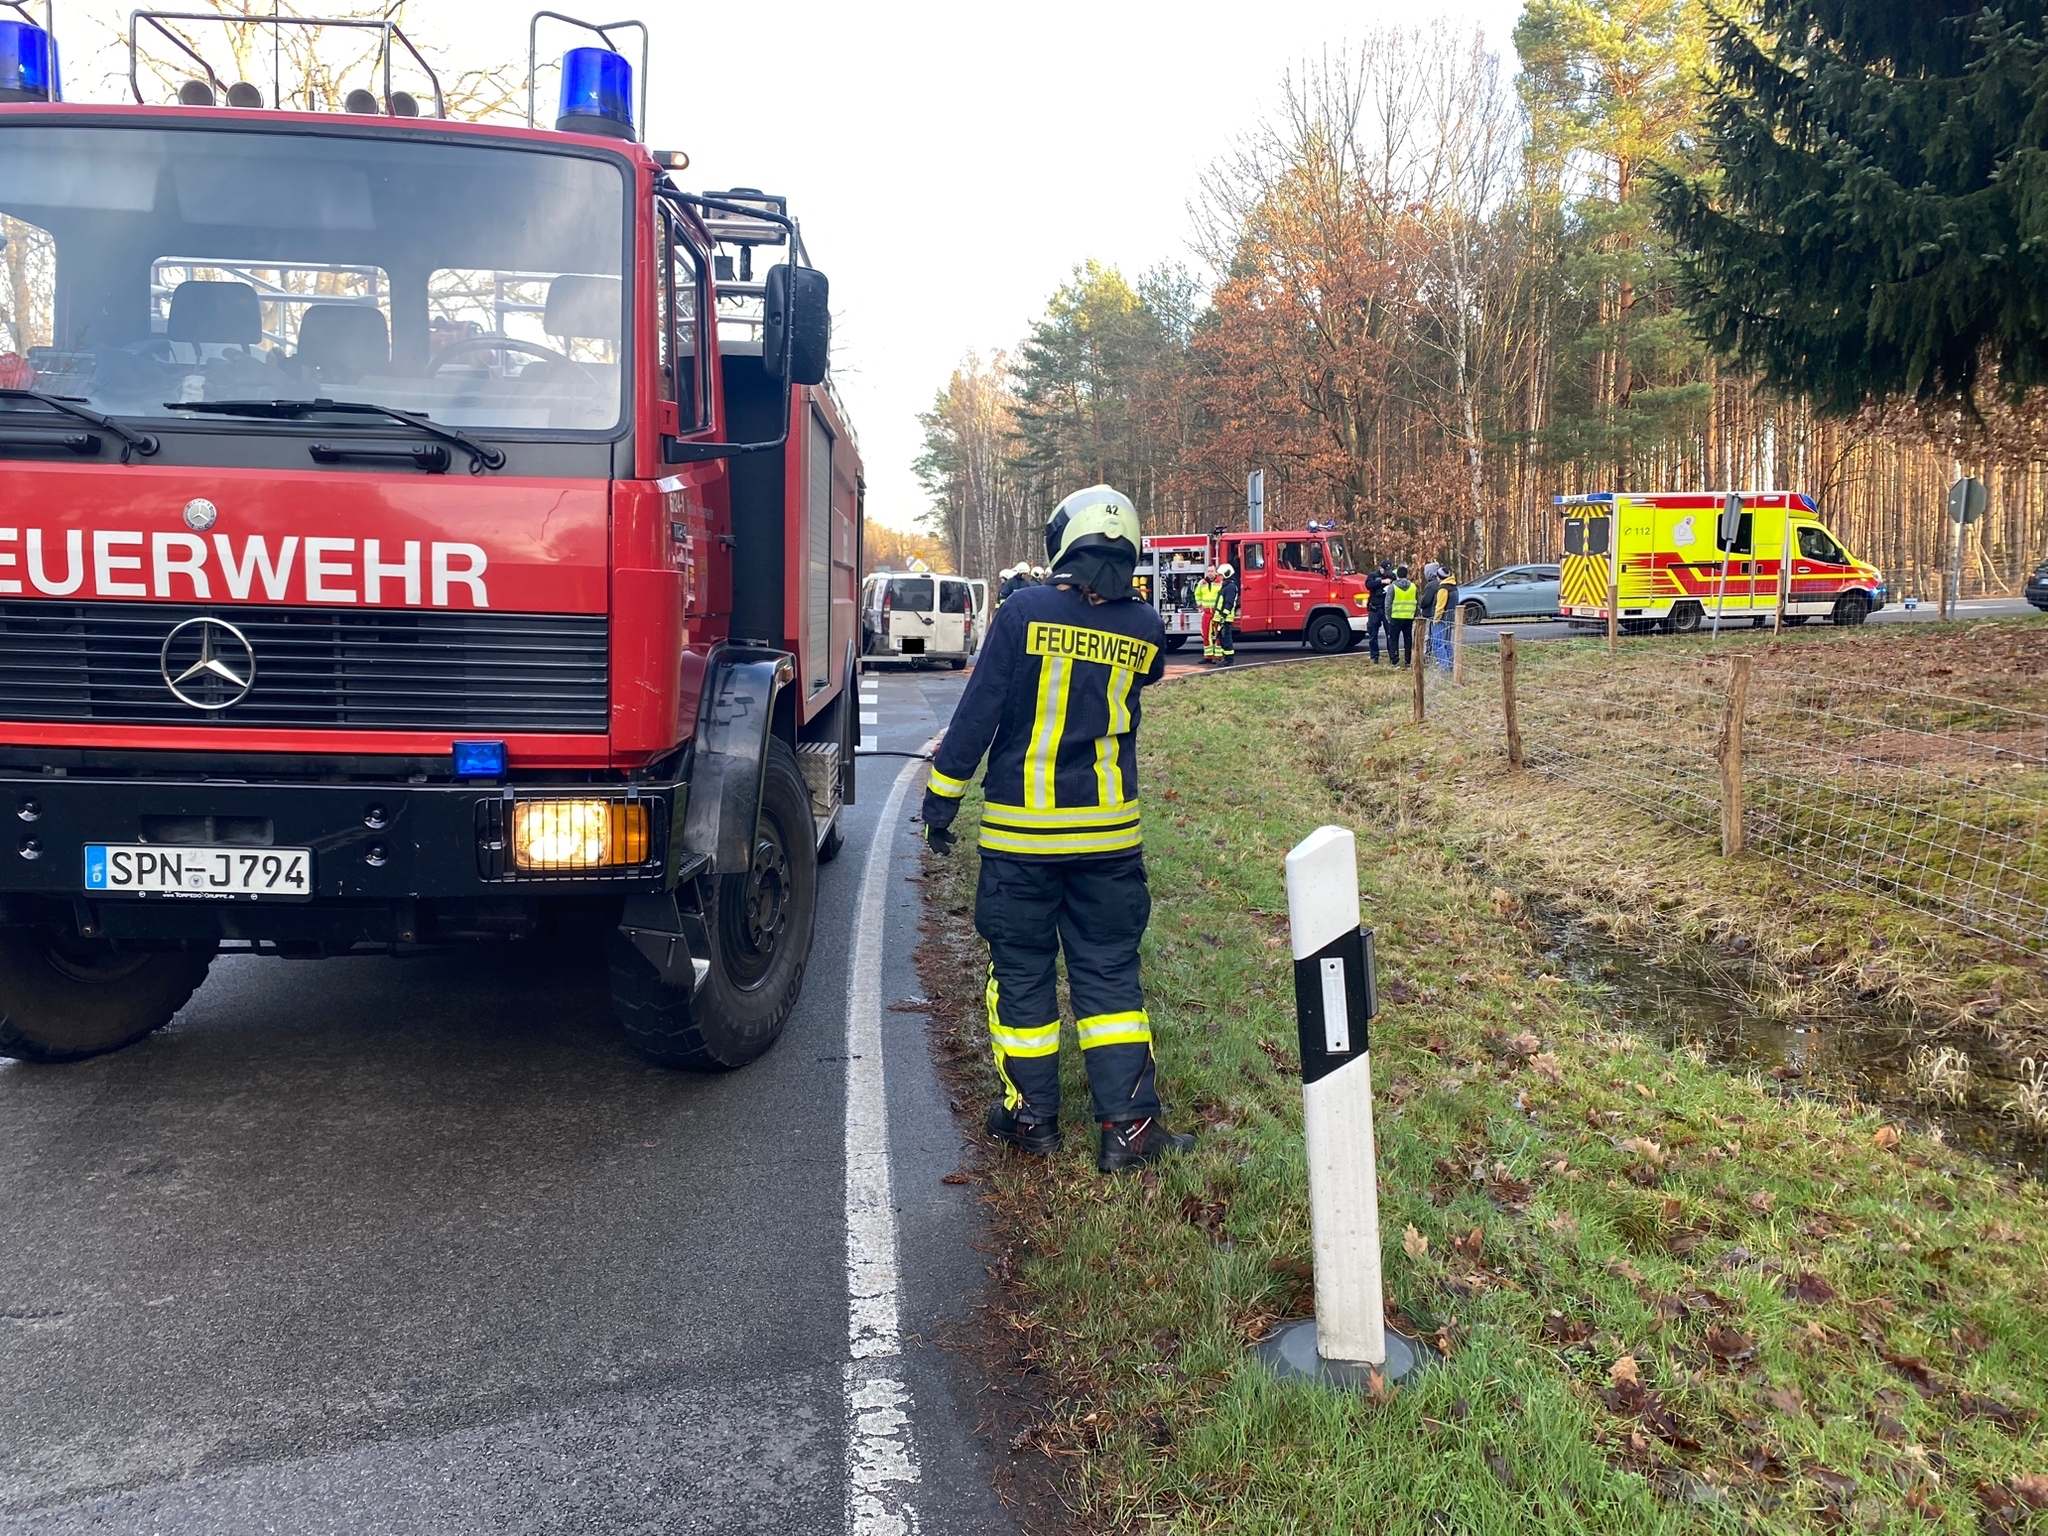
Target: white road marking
[
  {"x": 881, "y": 1457},
  {"x": 867, "y": 744},
  {"x": 870, "y": 719}
]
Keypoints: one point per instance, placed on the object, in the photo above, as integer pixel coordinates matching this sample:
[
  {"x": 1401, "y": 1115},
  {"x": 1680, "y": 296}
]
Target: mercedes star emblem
[
  {"x": 200, "y": 514},
  {"x": 208, "y": 663}
]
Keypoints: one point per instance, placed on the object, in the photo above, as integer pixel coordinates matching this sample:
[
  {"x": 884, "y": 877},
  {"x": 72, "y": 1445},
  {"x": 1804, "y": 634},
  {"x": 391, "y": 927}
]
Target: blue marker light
[
  {"x": 479, "y": 759},
  {"x": 28, "y": 63},
  {"x": 597, "y": 93}
]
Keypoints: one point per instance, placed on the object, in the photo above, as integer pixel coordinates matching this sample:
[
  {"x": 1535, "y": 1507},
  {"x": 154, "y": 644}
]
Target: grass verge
[{"x": 1670, "y": 1298}]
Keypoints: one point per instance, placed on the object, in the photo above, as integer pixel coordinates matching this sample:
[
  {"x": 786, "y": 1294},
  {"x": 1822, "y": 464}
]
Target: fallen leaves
[
  {"x": 1762, "y": 1201},
  {"x": 1808, "y": 1287},
  {"x": 1413, "y": 1243},
  {"x": 1787, "y": 1400},
  {"x": 1624, "y": 1371},
  {"x": 1886, "y": 1137},
  {"x": 1469, "y": 1245},
  {"x": 1564, "y": 1331},
  {"x": 1545, "y": 1063},
  {"x": 1730, "y": 1346}
]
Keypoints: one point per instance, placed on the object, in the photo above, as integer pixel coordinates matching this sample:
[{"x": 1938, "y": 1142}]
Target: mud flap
[
  {"x": 673, "y": 939},
  {"x": 730, "y": 758}
]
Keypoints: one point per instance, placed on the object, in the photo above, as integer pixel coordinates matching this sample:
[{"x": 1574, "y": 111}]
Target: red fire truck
[
  {"x": 412, "y": 533},
  {"x": 1295, "y": 585}
]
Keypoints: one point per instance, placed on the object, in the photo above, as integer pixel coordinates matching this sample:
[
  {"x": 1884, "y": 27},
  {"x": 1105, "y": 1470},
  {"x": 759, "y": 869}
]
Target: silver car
[{"x": 1514, "y": 592}]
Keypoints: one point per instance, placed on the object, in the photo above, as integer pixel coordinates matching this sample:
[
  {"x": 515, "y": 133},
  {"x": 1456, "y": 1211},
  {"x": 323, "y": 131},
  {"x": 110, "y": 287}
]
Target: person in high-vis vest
[
  {"x": 1207, "y": 590},
  {"x": 1228, "y": 591},
  {"x": 1401, "y": 601},
  {"x": 1053, "y": 704}
]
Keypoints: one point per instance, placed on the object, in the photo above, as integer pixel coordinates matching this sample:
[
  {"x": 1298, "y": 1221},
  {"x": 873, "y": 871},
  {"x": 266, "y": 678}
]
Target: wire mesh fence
[{"x": 1929, "y": 800}]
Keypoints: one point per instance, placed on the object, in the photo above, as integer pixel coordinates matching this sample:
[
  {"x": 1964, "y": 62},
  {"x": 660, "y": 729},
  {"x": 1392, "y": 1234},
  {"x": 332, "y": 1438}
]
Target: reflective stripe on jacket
[{"x": 1053, "y": 703}]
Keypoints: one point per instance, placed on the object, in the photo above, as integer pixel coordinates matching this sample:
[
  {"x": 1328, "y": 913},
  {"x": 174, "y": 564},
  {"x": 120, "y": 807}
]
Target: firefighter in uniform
[
  {"x": 1227, "y": 593},
  {"x": 1207, "y": 590},
  {"x": 1053, "y": 703}
]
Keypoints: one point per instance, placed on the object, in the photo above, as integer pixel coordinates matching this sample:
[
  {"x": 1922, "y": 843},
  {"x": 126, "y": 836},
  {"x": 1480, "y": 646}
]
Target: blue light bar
[
  {"x": 597, "y": 93},
  {"x": 28, "y": 63},
  {"x": 479, "y": 759}
]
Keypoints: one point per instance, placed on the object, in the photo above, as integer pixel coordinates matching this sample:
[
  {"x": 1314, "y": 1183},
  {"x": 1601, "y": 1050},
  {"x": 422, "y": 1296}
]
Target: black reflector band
[{"x": 1336, "y": 1000}]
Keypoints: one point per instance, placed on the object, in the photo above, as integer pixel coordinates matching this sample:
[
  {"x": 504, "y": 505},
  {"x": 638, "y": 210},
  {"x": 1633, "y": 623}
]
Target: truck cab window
[
  {"x": 1301, "y": 555},
  {"x": 1255, "y": 556},
  {"x": 1816, "y": 544},
  {"x": 28, "y": 286},
  {"x": 478, "y": 283},
  {"x": 679, "y": 325}
]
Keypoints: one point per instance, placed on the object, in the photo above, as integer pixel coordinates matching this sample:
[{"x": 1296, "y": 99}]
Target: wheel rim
[
  {"x": 756, "y": 915},
  {"x": 92, "y": 961}
]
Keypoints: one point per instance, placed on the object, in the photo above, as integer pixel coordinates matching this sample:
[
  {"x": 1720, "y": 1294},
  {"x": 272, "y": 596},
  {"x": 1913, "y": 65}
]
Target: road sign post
[
  {"x": 1967, "y": 499},
  {"x": 1347, "y": 1343},
  {"x": 1727, "y": 533}
]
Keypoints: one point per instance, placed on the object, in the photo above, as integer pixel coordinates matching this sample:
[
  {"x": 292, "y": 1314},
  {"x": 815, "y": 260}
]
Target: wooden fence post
[
  {"x": 1729, "y": 752},
  {"x": 1418, "y": 651},
  {"x": 1458, "y": 644},
  {"x": 1507, "y": 699}
]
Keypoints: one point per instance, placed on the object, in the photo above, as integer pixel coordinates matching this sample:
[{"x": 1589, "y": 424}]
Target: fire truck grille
[{"x": 318, "y": 668}]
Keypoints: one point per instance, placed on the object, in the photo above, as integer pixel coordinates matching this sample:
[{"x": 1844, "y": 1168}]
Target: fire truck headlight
[{"x": 578, "y": 834}]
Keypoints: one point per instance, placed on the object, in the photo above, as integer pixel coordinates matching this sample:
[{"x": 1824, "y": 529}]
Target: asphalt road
[{"x": 378, "y": 1245}]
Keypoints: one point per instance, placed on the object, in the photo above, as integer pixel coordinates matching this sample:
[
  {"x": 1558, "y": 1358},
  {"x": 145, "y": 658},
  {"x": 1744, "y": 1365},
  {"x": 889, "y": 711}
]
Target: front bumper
[{"x": 371, "y": 842}]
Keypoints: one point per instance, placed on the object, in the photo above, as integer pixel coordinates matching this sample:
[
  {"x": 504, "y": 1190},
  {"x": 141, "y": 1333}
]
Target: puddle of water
[{"x": 1865, "y": 1052}]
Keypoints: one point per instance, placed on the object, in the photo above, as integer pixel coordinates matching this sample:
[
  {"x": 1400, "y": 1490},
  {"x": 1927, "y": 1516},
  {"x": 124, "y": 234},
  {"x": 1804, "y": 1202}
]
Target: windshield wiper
[
  {"x": 132, "y": 443},
  {"x": 481, "y": 455}
]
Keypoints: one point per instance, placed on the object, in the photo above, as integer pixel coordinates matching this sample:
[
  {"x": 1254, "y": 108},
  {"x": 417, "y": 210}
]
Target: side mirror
[{"x": 796, "y": 314}]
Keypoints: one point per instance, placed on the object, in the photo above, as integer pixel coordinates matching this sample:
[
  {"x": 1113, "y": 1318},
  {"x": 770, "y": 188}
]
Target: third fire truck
[{"x": 1295, "y": 585}]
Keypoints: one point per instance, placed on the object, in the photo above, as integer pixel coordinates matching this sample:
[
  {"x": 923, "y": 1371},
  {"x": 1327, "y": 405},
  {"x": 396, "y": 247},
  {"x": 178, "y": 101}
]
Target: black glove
[{"x": 938, "y": 817}]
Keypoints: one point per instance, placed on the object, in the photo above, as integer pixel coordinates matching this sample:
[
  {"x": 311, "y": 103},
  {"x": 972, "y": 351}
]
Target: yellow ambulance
[{"x": 1661, "y": 553}]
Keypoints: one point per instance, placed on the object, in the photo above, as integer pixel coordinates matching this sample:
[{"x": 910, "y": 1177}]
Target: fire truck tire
[
  {"x": 1851, "y": 609},
  {"x": 760, "y": 932},
  {"x": 1327, "y": 634},
  {"x": 1174, "y": 643},
  {"x": 63, "y": 998},
  {"x": 835, "y": 840},
  {"x": 1684, "y": 619}
]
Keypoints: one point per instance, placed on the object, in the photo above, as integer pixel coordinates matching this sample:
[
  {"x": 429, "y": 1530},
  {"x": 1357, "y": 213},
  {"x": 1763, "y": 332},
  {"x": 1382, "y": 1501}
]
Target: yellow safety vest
[
  {"x": 1206, "y": 593},
  {"x": 1401, "y": 600}
]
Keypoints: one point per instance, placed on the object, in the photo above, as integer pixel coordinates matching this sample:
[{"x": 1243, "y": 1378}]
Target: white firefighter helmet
[
  {"x": 1226, "y": 570},
  {"x": 1097, "y": 515}
]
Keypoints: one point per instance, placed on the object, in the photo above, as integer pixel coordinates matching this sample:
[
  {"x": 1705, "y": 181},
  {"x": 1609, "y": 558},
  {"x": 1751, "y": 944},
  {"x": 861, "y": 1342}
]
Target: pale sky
[{"x": 950, "y": 163}]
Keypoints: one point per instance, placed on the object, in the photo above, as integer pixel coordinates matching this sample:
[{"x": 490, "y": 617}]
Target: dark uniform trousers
[{"x": 1094, "y": 911}]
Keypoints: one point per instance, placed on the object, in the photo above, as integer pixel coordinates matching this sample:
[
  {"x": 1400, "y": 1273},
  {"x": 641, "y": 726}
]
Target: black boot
[
  {"x": 1033, "y": 1138},
  {"x": 1133, "y": 1143}
]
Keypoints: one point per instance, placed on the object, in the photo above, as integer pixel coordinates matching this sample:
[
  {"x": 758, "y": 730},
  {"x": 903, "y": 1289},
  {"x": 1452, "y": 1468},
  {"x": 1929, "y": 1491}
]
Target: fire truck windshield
[
  {"x": 1340, "y": 558},
  {"x": 146, "y": 268}
]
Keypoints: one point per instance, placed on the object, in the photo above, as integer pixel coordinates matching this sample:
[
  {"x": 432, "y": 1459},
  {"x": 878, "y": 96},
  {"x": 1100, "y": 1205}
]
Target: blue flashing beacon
[
  {"x": 597, "y": 93},
  {"x": 28, "y": 63}
]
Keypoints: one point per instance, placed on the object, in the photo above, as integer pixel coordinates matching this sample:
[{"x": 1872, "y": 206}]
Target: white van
[
  {"x": 918, "y": 616},
  {"x": 980, "y": 591}
]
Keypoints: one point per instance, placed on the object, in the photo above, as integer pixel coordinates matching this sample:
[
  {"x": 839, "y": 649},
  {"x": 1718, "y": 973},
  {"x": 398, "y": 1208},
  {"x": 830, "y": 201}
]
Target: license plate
[{"x": 146, "y": 869}]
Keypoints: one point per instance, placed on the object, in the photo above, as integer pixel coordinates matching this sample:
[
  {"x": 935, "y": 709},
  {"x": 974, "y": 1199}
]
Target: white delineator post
[{"x": 1335, "y": 1004}]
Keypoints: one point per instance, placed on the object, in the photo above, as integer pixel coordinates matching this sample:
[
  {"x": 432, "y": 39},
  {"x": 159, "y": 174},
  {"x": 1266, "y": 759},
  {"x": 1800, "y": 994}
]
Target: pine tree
[
  {"x": 1875, "y": 222},
  {"x": 1610, "y": 87}
]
